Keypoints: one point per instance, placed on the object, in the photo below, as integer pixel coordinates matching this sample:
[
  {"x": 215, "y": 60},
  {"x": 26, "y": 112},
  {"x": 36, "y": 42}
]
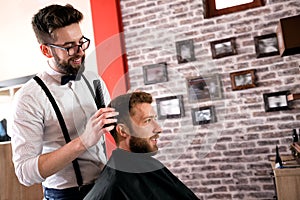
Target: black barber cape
[{"x": 133, "y": 176}]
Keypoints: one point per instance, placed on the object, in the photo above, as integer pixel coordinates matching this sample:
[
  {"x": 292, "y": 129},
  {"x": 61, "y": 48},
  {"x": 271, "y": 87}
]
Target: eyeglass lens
[{"x": 75, "y": 49}]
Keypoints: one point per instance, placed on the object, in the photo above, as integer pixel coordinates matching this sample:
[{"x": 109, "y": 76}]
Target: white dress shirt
[{"x": 35, "y": 129}]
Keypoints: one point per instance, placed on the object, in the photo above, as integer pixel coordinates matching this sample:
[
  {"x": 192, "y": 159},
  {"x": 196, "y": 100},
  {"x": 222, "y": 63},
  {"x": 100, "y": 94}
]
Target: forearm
[{"x": 50, "y": 163}]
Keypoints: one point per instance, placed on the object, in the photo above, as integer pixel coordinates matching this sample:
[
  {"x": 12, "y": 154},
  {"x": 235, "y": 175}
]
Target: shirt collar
[{"x": 54, "y": 74}]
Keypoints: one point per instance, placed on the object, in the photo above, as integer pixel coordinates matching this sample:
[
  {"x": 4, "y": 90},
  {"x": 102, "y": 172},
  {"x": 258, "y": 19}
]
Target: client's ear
[{"x": 122, "y": 130}]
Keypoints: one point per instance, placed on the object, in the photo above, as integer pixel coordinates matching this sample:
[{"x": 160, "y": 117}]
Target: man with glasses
[{"x": 57, "y": 129}]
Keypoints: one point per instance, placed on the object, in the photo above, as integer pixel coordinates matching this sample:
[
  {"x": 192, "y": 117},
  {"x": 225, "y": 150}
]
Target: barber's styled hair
[
  {"x": 124, "y": 104},
  {"x": 53, "y": 17}
]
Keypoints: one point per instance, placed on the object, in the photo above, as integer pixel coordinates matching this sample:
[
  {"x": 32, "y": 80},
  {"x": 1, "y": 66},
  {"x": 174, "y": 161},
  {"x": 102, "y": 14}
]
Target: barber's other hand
[{"x": 95, "y": 126}]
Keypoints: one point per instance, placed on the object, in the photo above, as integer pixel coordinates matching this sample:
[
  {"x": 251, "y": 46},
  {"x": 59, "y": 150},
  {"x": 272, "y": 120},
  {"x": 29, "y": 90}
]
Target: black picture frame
[
  {"x": 204, "y": 88},
  {"x": 243, "y": 79},
  {"x": 185, "y": 51},
  {"x": 170, "y": 107},
  {"x": 266, "y": 45},
  {"x": 155, "y": 73},
  {"x": 203, "y": 115},
  {"x": 223, "y": 48},
  {"x": 276, "y": 101}
]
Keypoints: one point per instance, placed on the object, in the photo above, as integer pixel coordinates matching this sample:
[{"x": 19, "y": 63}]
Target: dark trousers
[{"x": 75, "y": 193}]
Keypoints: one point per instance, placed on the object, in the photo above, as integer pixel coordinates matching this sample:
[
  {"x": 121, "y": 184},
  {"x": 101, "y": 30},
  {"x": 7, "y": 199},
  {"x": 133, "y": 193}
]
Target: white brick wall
[{"x": 227, "y": 159}]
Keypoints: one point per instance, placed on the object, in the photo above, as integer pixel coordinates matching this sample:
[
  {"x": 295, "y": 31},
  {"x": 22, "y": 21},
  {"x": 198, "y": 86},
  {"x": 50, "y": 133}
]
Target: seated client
[{"x": 131, "y": 172}]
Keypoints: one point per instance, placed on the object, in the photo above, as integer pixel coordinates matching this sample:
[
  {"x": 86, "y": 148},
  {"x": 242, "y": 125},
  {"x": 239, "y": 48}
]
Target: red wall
[
  {"x": 111, "y": 59},
  {"x": 108, "y": 33}
]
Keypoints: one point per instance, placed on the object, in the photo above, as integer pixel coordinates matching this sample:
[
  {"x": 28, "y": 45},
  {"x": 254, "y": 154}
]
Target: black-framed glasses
[{"x": 84, "y": 44}]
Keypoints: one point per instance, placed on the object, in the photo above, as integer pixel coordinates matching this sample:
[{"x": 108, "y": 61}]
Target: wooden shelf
[
  {"x": 287, "y": 179},
  {"x": 9, "y": 91},
  {"x": 10, "y": 186},
  {"x": 4, "y": 93}
]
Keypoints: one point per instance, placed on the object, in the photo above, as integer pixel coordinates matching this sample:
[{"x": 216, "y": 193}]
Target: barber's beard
[{"x": 65, "y": 66}]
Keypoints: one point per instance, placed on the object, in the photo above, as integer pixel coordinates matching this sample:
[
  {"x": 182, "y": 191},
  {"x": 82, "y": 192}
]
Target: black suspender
[{"x": 62, "y": 125}]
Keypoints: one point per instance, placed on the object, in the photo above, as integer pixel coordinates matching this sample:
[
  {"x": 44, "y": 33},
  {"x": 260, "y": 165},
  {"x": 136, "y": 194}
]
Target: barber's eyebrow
[{"x": 73, "y": 42}]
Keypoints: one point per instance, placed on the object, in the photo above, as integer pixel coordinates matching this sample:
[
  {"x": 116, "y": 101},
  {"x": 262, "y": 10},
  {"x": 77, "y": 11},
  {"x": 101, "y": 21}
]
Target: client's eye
[{"x": 148, "y": 120}]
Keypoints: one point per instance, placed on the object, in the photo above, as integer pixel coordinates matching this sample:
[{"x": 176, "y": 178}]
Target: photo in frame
[
  {"x": 203, "y": 115},
  {"x": 155, "y": 73},
  {"x": 185, "y": 51},
  {"x": 276, "y": 101},
  {"x": 223, "y": 48},
  {"x": 266, "y": 45},
  {"x": 243, "y": 79},
  {"x": 170, "y": 107},
  {"x": 204, "y": 88}
]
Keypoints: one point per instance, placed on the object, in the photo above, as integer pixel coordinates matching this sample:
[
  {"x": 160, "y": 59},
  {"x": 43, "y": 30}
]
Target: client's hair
[{"x": 124, "y": 104}]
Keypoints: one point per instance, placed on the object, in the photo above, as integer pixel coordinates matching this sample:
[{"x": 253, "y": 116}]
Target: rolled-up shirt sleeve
[{"x": 26, "y": 131}]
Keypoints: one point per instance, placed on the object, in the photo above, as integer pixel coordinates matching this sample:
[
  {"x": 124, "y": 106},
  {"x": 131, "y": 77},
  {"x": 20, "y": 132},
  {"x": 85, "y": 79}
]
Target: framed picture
[
  {"x": 221, "y": 7},
  {"x": 223, "y": 48},
  {"x": 170, "y": 107},
  {"x": 276, "y": 101},
  {"x": 204, "y": 88},
  {"x": 243, "y": 79},
  {"x": 185, "y": 51},
  {"x": 203, "y": 115},
  {"x": 155, "y": 73},
  {"x": 266, "y": 45}
]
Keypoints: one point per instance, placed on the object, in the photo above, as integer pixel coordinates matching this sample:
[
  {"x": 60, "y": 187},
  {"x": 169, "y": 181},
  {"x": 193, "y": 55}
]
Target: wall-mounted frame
[
  {"x": 155, "y": 73},
  {"x": 170, "y": 107},
  {"x": 185, "y": 51},
  {"x": 266, "y": 45},
  {"x": 203, "y": 115},
  {"x": 212, "y": 7},
  {"x": 276, "y": 101},
  {"x": 204, "y": 88},
  {"x": 223, "y": 48},
  {"x": 243, "y": 79}
]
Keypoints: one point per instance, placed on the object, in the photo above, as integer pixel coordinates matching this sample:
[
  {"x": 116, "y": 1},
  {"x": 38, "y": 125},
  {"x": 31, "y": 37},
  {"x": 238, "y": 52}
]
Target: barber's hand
[{"x": 95, "y": 126}]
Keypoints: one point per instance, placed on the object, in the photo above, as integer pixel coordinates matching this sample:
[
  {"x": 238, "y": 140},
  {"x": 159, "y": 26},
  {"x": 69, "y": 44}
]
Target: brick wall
[{"x": 228, "y": 159}]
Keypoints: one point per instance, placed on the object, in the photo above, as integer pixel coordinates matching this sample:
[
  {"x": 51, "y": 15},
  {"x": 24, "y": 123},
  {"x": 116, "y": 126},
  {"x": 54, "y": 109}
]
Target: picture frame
[
  {"x": 243, "y": 79},
  {"x": 213, "y": 9},
  {"x": 204, "y": 88},
  {"x": 203, "y": 115},
  {"x": 185, "y": 51},
  {"x": 223, "y": 48},
  {"x": 170, "y": 107},
  {"x": 276, "y": 101},
  {"x": 155, "y": 73},
  {"x": 266, "y": 45}
]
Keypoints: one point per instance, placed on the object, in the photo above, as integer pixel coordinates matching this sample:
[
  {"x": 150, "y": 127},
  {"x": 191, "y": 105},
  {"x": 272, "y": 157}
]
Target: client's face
[{"x": 144, "y": 130}]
